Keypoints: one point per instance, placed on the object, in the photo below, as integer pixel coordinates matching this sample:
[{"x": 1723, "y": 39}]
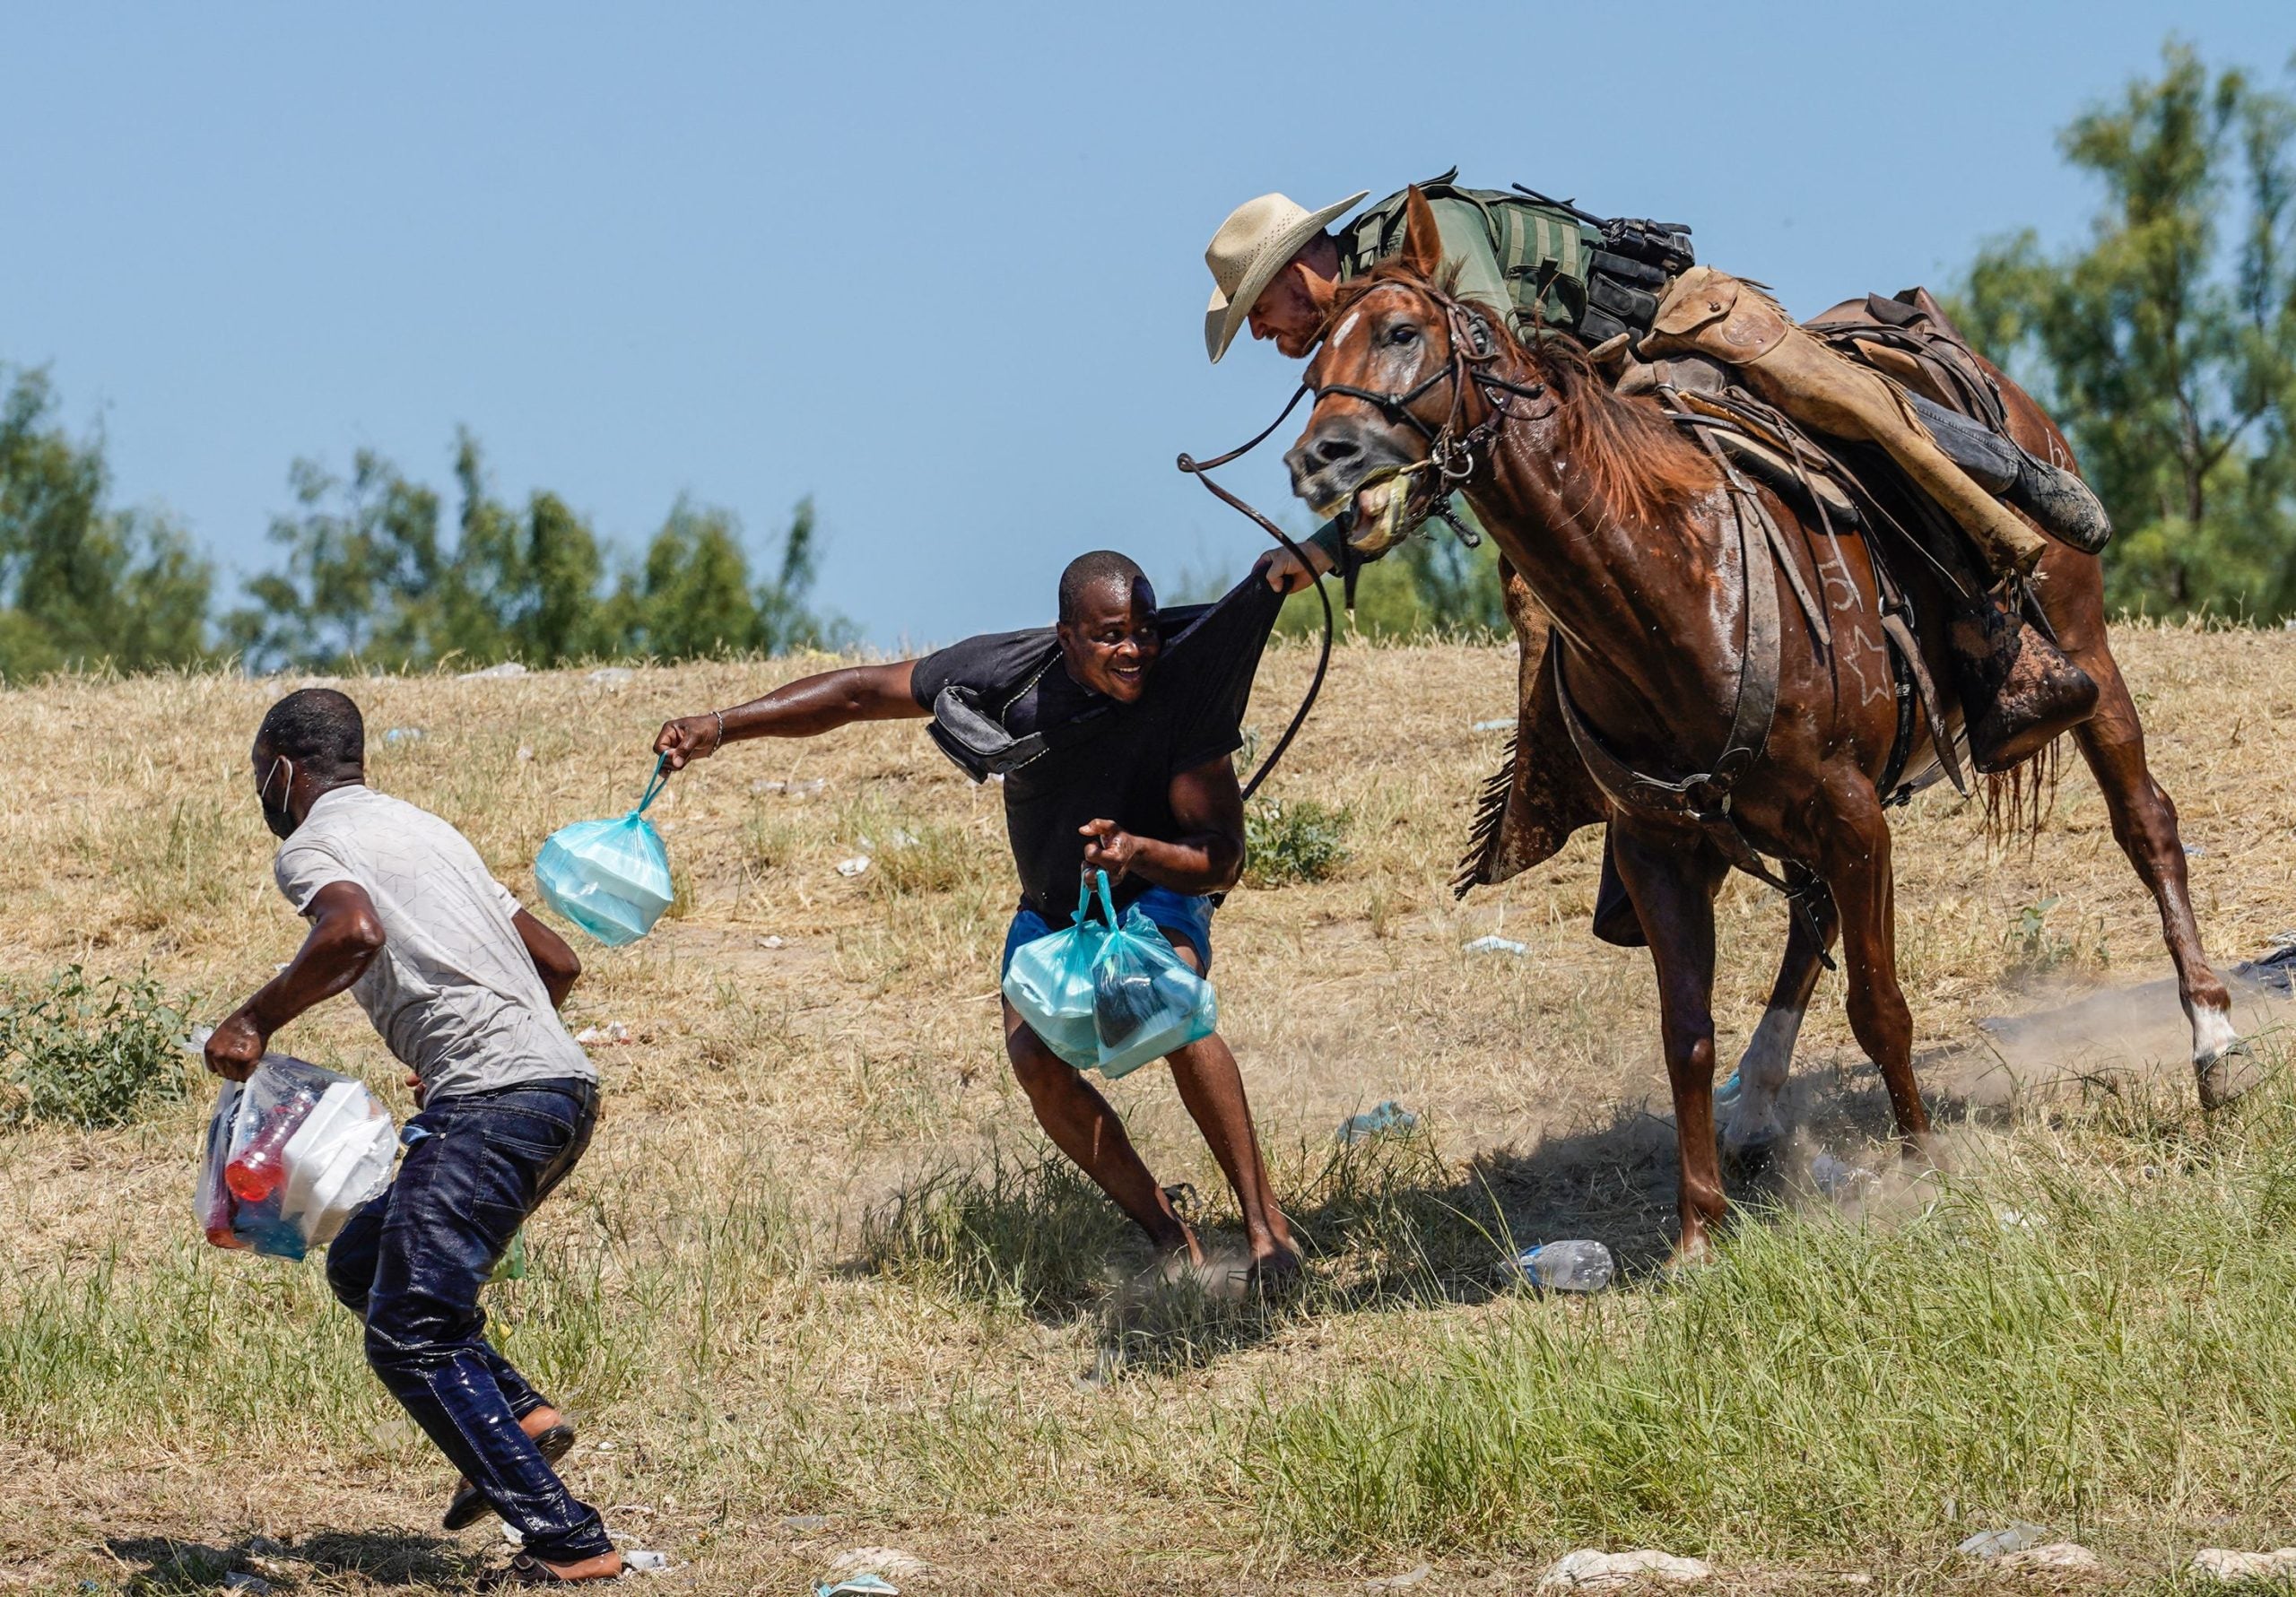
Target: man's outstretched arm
[
  {"x": 345, "y": 936},
  {"x": 808, "y": 706}
]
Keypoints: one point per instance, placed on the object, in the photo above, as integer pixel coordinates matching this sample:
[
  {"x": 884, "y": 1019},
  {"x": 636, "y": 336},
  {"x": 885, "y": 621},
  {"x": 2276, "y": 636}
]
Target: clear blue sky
[{"x": 941, "y": 266}]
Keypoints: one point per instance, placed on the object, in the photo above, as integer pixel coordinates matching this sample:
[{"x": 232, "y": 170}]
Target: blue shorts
[{"x": 1183, "y": 917}]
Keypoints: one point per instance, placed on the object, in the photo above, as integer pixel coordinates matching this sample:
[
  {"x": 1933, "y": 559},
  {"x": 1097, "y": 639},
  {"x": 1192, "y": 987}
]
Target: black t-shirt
[{"x": 1118, "y": 765}]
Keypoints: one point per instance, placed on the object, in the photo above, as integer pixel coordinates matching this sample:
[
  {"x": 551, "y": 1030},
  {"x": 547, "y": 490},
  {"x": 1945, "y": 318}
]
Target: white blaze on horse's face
[{"x": 1359, "y": 453}]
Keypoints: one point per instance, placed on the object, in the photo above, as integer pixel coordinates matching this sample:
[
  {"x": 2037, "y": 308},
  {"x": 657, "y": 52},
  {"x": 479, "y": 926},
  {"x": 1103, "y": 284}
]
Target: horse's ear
[{"x": 1422, "y": 240}]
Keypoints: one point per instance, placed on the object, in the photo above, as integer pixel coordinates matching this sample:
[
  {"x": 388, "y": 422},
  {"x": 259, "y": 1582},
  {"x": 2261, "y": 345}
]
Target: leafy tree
[
  {"x": 692, "y": 596},
  {"x": 370, "y": 577},
  {"x": 82, "y": 583},
  {"x": 2166, "y": 345}
]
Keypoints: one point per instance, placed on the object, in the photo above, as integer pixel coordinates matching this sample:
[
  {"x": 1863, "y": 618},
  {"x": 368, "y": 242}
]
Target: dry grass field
[{"x": 816, "y": 1288}]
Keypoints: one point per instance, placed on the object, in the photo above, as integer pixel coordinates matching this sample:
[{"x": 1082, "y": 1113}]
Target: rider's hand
[
  {"x": 691, "y": 738},
  {"x": 1286, "y": 575},
  {"x": 235, "y": 1047},
  {"x": 1108, "y": 847}
]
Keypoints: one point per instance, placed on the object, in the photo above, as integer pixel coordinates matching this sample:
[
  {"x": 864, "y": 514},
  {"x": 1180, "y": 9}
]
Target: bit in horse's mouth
[{"x": 1386, "y": 505}]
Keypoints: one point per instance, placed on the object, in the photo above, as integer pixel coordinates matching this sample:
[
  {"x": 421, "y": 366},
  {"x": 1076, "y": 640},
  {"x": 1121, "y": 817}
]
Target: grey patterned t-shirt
[{"x": 454, "y": 992}]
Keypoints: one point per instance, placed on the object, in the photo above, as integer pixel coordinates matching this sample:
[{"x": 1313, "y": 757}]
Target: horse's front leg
[
  {"x": 1672, "y": 877},
  {"x": 1757, "y": 1124},
  {"x": 1854, "y": 857}
]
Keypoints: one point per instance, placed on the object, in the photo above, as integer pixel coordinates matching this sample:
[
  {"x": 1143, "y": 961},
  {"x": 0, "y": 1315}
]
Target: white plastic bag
[{"x": 290, "y": 1154}]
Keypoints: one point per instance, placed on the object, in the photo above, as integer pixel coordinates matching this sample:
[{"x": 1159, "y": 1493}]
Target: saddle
[{"x": 1542, "y": 794}]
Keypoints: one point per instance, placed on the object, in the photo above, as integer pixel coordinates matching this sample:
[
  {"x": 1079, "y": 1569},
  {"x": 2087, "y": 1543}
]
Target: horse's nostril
[{"x": 1332, "y": 451}]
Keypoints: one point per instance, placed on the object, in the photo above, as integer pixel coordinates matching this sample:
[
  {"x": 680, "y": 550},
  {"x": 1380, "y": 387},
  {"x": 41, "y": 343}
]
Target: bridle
[{"x": 1450, "y": 450}]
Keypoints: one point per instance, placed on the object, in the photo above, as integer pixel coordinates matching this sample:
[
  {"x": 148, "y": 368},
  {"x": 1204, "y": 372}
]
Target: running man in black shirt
[{"x": 1132, "y": 775}]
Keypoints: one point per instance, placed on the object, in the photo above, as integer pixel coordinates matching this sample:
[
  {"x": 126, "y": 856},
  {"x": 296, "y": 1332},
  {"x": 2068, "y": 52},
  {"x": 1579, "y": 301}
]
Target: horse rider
[{"x": 1629, "y": 292}]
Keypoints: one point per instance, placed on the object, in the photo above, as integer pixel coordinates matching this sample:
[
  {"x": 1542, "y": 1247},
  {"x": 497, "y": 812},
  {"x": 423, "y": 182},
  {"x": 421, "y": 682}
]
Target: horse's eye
[{"x": 1406, "y": 333}]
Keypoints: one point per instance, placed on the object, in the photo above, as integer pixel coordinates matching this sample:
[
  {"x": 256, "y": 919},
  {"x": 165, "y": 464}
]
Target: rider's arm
[
  {"x": 808, "y": 706},
  {"x": 1206, "y": 857}
]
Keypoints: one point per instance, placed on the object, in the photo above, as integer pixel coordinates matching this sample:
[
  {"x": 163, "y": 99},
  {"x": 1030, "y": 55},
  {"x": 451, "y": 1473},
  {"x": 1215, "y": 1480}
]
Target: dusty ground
[{"x": 807, "y": 1048}]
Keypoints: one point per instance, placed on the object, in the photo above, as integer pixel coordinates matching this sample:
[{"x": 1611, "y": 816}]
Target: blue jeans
[
  {"x": 410, "y": 1263},
  {"x": 1183, "y": 917}
]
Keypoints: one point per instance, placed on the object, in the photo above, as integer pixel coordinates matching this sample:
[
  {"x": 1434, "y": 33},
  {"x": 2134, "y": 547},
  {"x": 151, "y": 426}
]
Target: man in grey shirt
[{"x": 464, "y": 985}]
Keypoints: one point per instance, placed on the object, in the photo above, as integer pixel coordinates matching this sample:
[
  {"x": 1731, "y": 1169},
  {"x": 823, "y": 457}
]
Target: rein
[{"x": 1201, "y": 471}]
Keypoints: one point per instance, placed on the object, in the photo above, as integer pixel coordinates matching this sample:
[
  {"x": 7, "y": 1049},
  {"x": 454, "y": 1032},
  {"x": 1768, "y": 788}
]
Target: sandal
[
  {"x": 468, "y": 1505},
  {"x": 524, "y": 1569}
]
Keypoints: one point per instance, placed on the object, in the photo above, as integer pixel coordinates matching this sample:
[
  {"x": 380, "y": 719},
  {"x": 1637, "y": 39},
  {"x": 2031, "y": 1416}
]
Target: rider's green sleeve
[{"x": 1466, "y": 246}]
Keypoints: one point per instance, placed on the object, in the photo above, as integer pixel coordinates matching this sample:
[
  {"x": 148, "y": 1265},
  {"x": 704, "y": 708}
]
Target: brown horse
[{"x": 1636, "y": 546}]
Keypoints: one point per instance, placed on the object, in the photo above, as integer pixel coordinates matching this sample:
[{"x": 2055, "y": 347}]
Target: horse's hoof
[
  {"x": 2227, "y": 1074},
  {"x": 1751, "y": 1158}
]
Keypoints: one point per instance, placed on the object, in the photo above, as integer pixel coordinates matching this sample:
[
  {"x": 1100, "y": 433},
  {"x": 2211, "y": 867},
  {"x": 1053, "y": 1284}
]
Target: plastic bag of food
[
  {"x": 611, "y": 878},
  {"x": 1050, "y": 984},
  {"x": 1145, "y": 1001},
  {"x": 290, "y": 1153}
]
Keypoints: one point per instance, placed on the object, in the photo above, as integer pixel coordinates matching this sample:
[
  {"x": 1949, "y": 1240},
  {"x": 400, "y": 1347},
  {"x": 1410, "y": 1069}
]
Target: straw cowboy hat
[{"x": 1252, "y": 246}]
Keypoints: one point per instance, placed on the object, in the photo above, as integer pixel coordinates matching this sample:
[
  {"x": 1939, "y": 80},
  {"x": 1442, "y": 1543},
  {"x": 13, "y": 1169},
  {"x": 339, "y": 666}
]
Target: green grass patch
[
  {"x": 88, "y": 1054},
  {"x": 2086, "y": 1336},
  {"x": 1289, "y": 840}
]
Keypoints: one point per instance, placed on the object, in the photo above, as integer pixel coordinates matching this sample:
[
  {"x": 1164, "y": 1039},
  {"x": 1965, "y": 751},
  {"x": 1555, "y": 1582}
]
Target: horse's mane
[{"x": 1638, "y": 463}]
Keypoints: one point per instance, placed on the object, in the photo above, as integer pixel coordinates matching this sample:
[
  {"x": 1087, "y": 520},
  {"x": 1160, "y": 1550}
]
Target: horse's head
[{"x": 1394, "y": 394}]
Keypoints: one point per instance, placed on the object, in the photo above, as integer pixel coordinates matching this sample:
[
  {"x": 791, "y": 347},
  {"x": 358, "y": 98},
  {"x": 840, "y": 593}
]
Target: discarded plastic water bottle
[
  {"x": 257, "y": 1170},
  {"x": 1576, "y": 1266}
]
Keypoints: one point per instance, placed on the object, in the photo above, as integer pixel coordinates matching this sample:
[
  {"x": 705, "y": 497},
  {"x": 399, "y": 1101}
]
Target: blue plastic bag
[
  {"x": 1050, "y": 984},
  {"x": 1109, "y": 995},
  {"x": 611, "y": 878},
  {"x": 1146, "y": 1002}
]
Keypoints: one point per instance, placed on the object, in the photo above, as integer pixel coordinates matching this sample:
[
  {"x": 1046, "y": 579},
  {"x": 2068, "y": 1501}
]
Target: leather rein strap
[{"x": 1201, "y": 471}]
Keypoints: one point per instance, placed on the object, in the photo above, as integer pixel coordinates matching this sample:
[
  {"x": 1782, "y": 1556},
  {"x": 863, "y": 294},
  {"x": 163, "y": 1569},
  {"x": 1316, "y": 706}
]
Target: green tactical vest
[{"x": 1512, "y": 253}]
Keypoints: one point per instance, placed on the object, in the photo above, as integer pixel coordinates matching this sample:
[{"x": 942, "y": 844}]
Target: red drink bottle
[{"x": 257, "y": 1170}]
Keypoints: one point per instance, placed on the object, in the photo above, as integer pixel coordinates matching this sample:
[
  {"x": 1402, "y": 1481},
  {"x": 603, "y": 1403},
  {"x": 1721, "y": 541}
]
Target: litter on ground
[
  {"x": 509, "y": 668},
  {"x": 1576, "y": 1265},
  {"x": 854, "y": 866},
  {"x": 1502, "y": 723},
  {"x": 860, "y": 1586},
  {"x": 403, "y": 734},
  {"x": 1388, "y": 1118},
  {"x": 1495, "y": 944},
  {"x": 601, "y": 1036},
  {"x": 2012, "y": 1537}
]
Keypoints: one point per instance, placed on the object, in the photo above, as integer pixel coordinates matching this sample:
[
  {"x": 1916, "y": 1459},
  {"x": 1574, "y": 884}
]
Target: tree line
[
  {"x": 2164, "y": 343},
  {"x": 377, "y": 572}
]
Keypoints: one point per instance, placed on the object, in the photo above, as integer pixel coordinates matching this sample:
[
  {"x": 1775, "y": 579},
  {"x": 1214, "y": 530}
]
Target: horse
[{"x": 1645, "y": 554}]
